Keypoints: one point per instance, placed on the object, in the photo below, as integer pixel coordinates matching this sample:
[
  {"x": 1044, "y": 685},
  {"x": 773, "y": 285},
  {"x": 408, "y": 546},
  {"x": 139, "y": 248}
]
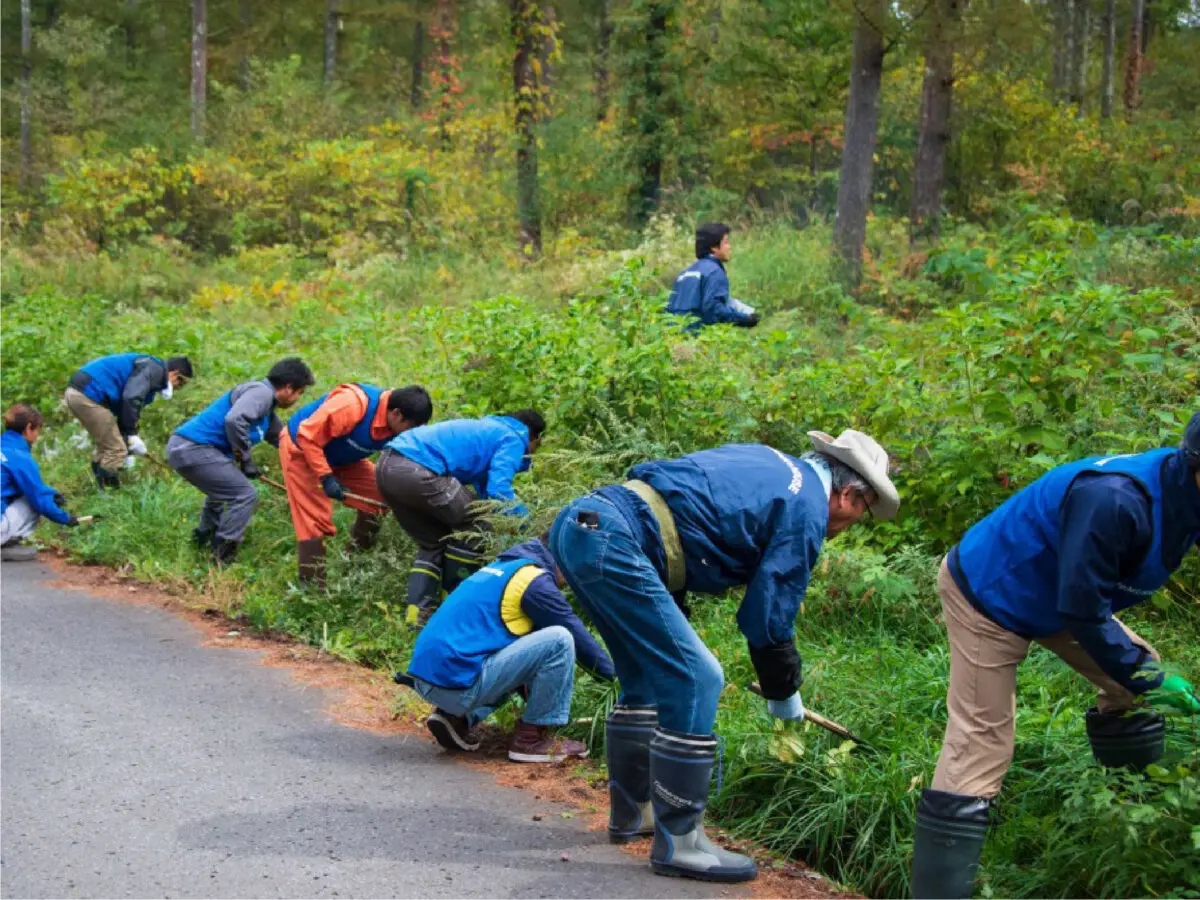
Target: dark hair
[
  {"x": 531, "y": 419},
  {"x": 20, "y": 416},
  {"x": 1191, "y": 443},
  {"x": 291, "y": 372},
  {"x": 180, "y": 364},
  {"x": 709, "y": 237},
  {"x": 413, "y": 402}
]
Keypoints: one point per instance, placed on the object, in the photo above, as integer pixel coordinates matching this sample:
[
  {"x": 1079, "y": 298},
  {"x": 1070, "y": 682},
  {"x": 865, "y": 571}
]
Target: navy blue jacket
[
  {"x": 746, "y": 515},
  {"x": 20, "y": 476},
  {"x": 702, "y": 292}
]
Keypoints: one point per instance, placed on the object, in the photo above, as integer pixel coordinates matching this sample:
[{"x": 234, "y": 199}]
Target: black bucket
[{"x": 1132, "y": 740}]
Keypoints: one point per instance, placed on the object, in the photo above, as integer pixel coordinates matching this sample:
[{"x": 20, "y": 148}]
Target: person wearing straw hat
[
  {"x": 742, "y": 514},
  {"x": 1054, "y": 564}
]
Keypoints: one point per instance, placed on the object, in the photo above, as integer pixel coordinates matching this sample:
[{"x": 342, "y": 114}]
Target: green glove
[{"x": 1177, "y": 692}]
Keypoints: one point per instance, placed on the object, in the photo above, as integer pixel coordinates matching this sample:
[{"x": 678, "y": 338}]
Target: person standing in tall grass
[
  {"x": 1054, "y": 564},
  {"x": 744, "y": 514}
]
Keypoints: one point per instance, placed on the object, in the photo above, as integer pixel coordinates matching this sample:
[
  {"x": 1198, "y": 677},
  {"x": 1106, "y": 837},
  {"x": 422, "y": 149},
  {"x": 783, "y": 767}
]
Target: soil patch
[{"x": 367, "y": 699}]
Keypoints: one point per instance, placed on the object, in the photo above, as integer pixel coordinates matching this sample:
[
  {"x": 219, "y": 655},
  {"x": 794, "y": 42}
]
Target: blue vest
[
  {"x": 208, "y": 427},
  {"x": 479, "y": 619},
  {"x": 1010, "y": 558},
  {"x": 109, "y": 374},
  {"x": 352, "y": 447}
]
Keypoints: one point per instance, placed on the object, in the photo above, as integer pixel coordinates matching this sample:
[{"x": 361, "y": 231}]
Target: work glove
[
  {"x": 250, "y": 470},
  {"x": 752, "y": 321},
  {"x": 71, "y": 522},
  {"x": 137, "y": 447},
  {"x": 333, "y": 488},
  {"x": 1176, "y": 692},
  {"x": 790, "y": 710}
]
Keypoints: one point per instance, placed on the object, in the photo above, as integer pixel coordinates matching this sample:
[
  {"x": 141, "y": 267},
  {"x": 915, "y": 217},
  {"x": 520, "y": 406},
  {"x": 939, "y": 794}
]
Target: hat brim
[{"x": 887, "y": 502}]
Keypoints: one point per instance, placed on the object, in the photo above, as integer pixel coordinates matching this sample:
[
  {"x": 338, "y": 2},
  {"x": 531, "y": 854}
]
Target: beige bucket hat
[{"x": 863, "y": 454}]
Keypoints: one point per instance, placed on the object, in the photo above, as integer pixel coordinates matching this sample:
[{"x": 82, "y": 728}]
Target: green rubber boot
[
  {"x": 951, "y": 829},
  {"x": 627, "y": 734}
]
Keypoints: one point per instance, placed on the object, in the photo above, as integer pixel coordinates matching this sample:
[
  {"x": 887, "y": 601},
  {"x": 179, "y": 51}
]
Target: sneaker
[
  {"x": 539, "y": 744},
  {"x": 451, "y": 731},
  {"x": 18, "y": 551}
]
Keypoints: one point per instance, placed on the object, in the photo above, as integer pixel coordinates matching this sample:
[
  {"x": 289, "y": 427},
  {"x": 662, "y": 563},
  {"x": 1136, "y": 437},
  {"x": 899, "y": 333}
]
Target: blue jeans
[
  {"x": 660, "y": 660},
  {"x": 544, "y": 660}
]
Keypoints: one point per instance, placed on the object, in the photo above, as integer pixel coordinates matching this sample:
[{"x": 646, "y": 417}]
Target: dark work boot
[
  {"x": 681, "y": 767},
  {"x": 627, "y": 734},
  {"x": 310, "y": 557},
  {"x": 1130, "y": 739},
  {"x": 951, "y": 829},
  {"x": 365, "y": 530},
  {"x": 106, "y": 480},
  {"x": 462, "y": 561},
  {"x": 202, "y": 537},
  {"x": 224, "y": 552},
  {"x": 18, "y": 551},
  {"x": 424, "y": 587}
]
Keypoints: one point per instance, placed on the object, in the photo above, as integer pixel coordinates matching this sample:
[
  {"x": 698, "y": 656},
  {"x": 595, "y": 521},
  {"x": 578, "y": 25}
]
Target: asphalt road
[{"x": 135, "y": 763}]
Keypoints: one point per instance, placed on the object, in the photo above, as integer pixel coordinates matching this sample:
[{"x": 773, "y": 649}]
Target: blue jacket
[
  {"x": 349, "y": 448},
  {"x": 1086, "y": 540},
  {"x": 20, "y": 476},
  {"x": 746, "y": 515},
  {"x": 702, "y": 292},
  {"x": 236, "y": 421},
  {"x": 514, "y": 596},
  {"x": 124, "y": 383},
  {"x": 484, "y": 453}
]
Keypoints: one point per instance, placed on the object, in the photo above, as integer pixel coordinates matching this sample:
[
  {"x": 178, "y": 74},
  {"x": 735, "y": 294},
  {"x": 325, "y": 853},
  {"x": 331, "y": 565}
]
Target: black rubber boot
[
  {"x": 365, "y": 530},
  {"x": 202, "y": 537},
  {"x": 1131, "y": 739},
  {"x": 951, "y": 829},
  {"x": 424, "y": 587},
  {"x": 106, "y": 480},
  {"x": 461, "y": 562},
  {"x": 681, "y": 767},
  {"x": 627, "y": 735},
  {"x": 310, "y": 557},
  {"x": 224, "y": 552}
]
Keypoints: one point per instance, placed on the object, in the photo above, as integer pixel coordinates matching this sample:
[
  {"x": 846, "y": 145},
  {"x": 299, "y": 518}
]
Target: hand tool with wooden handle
[
  {"x": 820, "y": 721},
  {"x": 370, "y": 501}
]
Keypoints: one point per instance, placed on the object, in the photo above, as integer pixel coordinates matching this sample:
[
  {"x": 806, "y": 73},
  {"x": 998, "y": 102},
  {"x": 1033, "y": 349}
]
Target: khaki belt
[{"x": 672, "y": 546}]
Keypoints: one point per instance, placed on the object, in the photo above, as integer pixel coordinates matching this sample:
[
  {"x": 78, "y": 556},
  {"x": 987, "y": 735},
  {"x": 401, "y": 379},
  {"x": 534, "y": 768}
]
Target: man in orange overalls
[{"x": 324, "y": 452}]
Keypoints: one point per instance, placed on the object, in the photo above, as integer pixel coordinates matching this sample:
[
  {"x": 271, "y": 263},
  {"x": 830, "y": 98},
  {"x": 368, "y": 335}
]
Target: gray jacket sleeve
[
  {"x": 274, "y": 430},
  {"x": 251, "y": 401},
  {"x": 148, "y": 377}
]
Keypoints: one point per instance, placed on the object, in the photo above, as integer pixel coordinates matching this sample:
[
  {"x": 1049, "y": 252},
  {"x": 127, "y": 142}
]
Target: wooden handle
[
  {"x": 370, "y": 501},
  {"x": 820, "y": 721}
]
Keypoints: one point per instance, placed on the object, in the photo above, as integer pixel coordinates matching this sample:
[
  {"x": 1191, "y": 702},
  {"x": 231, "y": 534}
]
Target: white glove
[
  {"x": 136, "y": 445},
  {"x": 791, "y": 709},
  {"x": 129, "y": 461}
]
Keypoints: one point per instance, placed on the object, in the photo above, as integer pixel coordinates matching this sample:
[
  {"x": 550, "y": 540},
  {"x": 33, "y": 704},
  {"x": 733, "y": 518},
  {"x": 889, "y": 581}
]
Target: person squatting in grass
[
  {"x": 743, "y": 514},
  {"x": 423, "y": 475},
  {"x": 506, "y": 628},
  {"x": 108, "y": 394},
  {"x": 324, "y": 452},
  {"x": 24, "y": 497},
  {"x": 701, "y": 292},
  {"x": 212, "y": 452},
  {"x": 1053, "y": 564}
]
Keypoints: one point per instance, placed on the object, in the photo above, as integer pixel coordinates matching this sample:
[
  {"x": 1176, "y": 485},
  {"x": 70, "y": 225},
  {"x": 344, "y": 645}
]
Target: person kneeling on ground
[
  {"x": 701, "y": 291},
  {"x": 324, "y": 452},
  {"x": 24, "y": 497},
  {"x": 1053, "y": 564},
  {"x": 212, "y": 452},
  {"x": 506, "y": 627},
  {"x": 423, "y": 476},
  {"x": 107, "y": 396},
  {"x": 744, "y": 514}
]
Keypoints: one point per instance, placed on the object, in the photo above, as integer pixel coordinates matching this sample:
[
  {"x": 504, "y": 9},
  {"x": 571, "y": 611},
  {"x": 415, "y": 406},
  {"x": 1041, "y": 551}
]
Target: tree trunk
[
  {"x": 650, "y": 149},
  {"x": 858, "y": 147},
  {"x": 443, "y": 40},
  {"x": 527, "y": 43},
  {"x": 199, "y": 67},
  {"x": 1064, "y": 92},
  {"x": 604, "y": 30},
  {"x": 1083, "y": 39},
  {"x": 937, "y": 94},
  {"x": 26, "y": 173},
  {"x": 245, "y": 23},
  {"x": 1133, "y": 61},
  {"x": 130, "y": 36},
  {"x": 1110, "y": 53},
  {"x": 418, "y": 62},
  {"x": 333, "y": 24},
  {"x": 1062, "y": 28}
]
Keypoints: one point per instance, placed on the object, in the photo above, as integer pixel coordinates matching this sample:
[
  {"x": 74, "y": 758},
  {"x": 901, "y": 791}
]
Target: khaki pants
[
  {"x": 981, "y": 704},
  {"x": 101, "y": 424}
]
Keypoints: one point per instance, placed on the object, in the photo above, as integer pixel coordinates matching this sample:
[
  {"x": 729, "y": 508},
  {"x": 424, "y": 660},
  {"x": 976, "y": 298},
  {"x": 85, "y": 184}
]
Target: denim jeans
[
  {"x": 544, "y": 660},
  {"x": 659, "y": 658}
]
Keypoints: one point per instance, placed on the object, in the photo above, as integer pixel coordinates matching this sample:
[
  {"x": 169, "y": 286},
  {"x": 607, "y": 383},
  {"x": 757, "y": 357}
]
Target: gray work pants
[
  {"x": 20, "y": 518},
  {"x": 429, "y": 507},
  {"x": 230, "y": 498}
]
